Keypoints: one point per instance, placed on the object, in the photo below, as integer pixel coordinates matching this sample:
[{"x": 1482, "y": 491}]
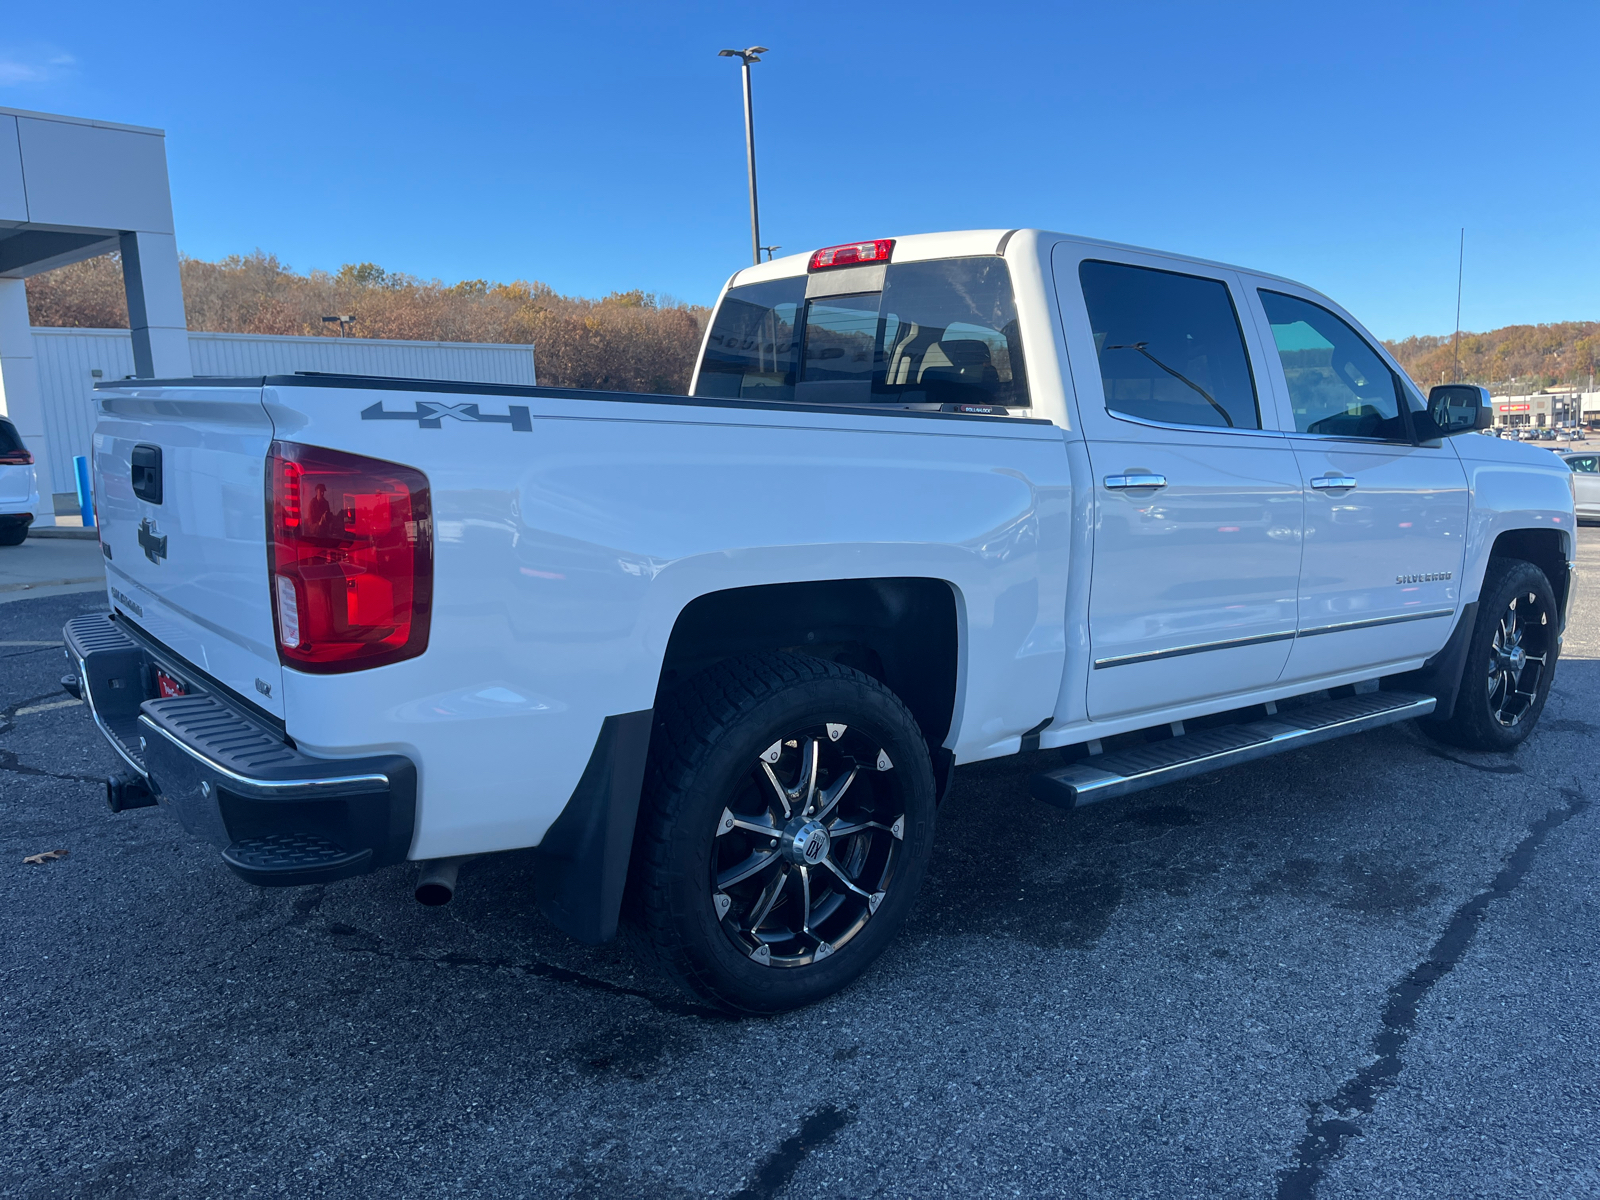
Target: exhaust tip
[
  {"x": 437, "y": 886},
  {"x": 433, "y": 893}
]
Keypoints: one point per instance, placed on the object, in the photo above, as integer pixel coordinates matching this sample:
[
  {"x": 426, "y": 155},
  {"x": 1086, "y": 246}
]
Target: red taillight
[
  {"x": 351, "y": 555},
  {"x": 16, "y": 458},
  {"x": 851, "y": 255}
]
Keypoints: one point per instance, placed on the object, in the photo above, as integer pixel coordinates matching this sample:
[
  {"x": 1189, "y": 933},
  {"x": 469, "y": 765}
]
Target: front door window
[{"x": 1338, "y": 386}]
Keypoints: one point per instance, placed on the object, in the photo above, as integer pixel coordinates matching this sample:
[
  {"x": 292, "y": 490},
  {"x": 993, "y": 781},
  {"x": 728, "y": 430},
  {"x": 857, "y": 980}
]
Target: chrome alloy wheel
[
  {"x": 808, "y": 846},
  {"x": 1520, "y": 653}
]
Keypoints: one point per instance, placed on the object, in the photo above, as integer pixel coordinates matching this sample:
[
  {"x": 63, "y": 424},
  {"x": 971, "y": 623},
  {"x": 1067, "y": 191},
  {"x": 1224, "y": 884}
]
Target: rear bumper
[{"x": 280, "y": 817}]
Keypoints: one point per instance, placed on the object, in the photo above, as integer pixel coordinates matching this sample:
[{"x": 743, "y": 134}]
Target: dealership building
[
  {"x": 1551, "y": 408},
  {"x": 72, "y": 189}
]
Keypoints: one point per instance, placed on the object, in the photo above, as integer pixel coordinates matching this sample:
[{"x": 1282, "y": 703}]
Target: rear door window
[
  {"x": 940, "y": 332},
  {"x": 1338, "y": 386},
  {"x": 10, "y": 440},
  {"x": 1170, "y": 346}
]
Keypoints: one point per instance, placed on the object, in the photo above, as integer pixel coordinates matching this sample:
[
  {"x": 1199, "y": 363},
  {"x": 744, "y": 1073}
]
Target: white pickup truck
[{"x": 932, "y": 500}]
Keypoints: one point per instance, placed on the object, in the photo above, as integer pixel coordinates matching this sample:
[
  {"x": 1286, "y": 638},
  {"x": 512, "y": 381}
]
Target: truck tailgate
[{"x": 186, "y": 542}]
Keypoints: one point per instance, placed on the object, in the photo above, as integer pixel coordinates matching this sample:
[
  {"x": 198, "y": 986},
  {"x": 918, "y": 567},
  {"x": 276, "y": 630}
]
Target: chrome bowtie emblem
[
  {"x": 430, "y": 414},
  {"x": 153, "y": 545}
]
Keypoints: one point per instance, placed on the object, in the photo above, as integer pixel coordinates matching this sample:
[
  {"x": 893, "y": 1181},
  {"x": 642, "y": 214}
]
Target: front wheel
[
  {"x": 786, "y": 826},
  {"x": 1511, "y": 661}
]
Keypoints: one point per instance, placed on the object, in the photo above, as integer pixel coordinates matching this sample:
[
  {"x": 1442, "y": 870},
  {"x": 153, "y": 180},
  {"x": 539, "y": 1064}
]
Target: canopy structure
[{"x": 70, "y": 189}]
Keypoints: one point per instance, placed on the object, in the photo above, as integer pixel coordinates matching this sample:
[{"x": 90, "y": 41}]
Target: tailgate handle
[{"x": 146, "y": 471}]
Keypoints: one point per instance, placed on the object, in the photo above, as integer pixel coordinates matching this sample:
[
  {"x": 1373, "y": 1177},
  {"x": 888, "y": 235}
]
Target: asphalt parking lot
[{"x": 1369, "y": 968}]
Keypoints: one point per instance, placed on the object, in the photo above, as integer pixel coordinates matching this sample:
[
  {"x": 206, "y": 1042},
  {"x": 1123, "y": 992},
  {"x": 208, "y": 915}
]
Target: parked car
[
  {"x": 932, "y": 500},
  {"x": 1585, "y": 483},
  {"x": 19, "y": 486}
]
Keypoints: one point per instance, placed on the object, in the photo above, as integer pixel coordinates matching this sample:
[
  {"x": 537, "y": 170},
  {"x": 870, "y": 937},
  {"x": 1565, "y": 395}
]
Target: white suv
[{"x": 19, "y": 486}]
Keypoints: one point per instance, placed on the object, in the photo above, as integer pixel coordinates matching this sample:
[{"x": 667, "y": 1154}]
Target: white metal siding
[
  {"x": 67, "y": 359},
  {"x": 259, "y": 354}
]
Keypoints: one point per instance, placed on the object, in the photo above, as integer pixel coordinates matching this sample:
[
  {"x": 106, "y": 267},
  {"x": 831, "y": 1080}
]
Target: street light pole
[{"x": 750, "y": 54}]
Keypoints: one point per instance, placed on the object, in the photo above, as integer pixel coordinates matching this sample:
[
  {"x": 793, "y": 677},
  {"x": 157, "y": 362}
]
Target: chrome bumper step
[{"x": 1117, "y": 774}]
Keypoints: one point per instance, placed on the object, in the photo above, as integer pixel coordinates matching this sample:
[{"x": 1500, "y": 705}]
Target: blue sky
[{"x": 600, "y": 146}]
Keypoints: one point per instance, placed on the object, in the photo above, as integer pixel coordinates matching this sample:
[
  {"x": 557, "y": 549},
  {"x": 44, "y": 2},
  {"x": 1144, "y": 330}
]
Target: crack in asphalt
[
  {"x": 35, "y": 650},
  {"x": 305, "y": 907},
  {"x": 1487, "y": 769},
  {"x": 10, "y": 762},
  {"x": 1325, "y": 1137},
  {"x": 7, "y": 713},
  {"x": 536, "y": 967},
  {"x": 545, "y": 970},
  {"x": 821, "y": 1126}
]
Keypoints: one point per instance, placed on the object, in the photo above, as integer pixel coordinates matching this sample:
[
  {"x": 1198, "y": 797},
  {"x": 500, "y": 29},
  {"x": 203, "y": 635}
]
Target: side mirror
[{"x": 1454, "y": 408}]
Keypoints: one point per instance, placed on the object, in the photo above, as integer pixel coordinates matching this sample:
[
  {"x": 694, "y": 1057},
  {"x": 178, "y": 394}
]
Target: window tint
[
  {"x": 1170, "y": 347},
  {"x": 754, "y": 345},
  {"x": 10, "y": 440},
  {"x": 1337, "y": 383},
  {"x": 1585, "y": 466},
  {"x": 950, "y": 335}
]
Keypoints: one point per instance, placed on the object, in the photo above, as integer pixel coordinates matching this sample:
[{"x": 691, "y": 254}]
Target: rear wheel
[
  {"x": 786, "y": 828},
  {"x": 13, "y": 534},
  {"x": 1511, "y": 661}
]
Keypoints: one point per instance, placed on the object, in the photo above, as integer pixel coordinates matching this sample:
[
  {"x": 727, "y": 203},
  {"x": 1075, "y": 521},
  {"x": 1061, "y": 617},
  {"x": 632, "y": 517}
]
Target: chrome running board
[{"x": 1105, "y": 776}]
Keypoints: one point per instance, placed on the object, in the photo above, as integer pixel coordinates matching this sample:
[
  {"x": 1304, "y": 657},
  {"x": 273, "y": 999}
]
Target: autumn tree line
[
  {"x": 1513, "y": 358},
  {"x": 628, "y": 341}
]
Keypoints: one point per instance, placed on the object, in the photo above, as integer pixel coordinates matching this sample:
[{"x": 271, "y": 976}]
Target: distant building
[{"x": 1547, "y": 409}]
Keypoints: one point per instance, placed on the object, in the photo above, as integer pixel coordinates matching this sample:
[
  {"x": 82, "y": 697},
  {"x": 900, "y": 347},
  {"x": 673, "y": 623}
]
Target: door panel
[
  {"x": 1193, "y": 592},
  {"x": 1380, "y": 578},
  {"x": 1194, "y": 577},
  {"x": 1385, "y": 518}
]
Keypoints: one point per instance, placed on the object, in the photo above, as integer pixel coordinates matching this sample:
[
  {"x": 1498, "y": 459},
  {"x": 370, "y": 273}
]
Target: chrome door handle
[
  {"x": 1328, "y": 483},
  {"x": 1141, "y": 479}
]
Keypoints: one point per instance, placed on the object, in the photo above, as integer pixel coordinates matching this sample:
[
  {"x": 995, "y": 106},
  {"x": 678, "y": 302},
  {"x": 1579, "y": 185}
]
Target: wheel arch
[
  {"x": 902, "y": 631},
  {"x": 1547, "y": 549},
  {"x": 1442, "y": 674}
]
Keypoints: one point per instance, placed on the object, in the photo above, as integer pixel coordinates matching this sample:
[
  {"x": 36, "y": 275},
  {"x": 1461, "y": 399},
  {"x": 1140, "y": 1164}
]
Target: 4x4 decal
[{"x": 429, "y": 414}]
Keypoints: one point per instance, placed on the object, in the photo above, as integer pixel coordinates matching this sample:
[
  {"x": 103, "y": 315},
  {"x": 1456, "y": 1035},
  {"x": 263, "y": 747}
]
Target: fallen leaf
[{"x": 36, "y": 859}]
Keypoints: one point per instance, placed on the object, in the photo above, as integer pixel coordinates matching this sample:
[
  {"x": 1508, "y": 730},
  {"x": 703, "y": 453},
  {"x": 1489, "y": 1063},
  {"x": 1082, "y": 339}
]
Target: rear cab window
[{"x": 940, "y": 334}]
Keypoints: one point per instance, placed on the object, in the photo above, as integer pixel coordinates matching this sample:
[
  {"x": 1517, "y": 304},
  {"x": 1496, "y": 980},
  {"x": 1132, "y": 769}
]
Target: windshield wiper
[{"x": 1140, "y": 347}]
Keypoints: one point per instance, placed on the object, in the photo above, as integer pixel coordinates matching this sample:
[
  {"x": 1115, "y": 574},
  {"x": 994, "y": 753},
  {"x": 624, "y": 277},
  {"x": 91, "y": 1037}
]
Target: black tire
[
  {"x": 726, "y": 745},
  {"x": 13, "y": 535},
  {"x": 1498, "y": 706}
]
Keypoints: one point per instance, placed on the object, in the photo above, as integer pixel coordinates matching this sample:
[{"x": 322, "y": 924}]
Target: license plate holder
[{"x": 167, "y": 685}]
